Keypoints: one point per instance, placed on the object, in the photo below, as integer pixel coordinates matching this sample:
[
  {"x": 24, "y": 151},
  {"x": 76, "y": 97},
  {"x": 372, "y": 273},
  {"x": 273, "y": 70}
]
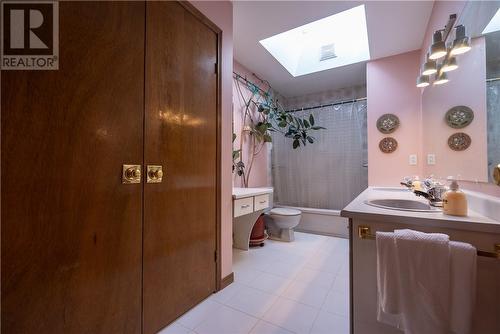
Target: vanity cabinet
[
  {"x": 481, "y": 232},
  {"x": 364, "y": 277},
  {"x": 248, "y": 205}
]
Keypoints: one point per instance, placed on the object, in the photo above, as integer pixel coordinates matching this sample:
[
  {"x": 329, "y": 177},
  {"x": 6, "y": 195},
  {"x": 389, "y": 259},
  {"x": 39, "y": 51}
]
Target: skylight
[
  {"x": 337, "y": 40},
  {"x": 494, "y": 24}
]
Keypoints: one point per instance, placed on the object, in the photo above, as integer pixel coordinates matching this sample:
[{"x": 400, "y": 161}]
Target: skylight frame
[
  {"x": 494, "y": 24},
  {"x": 298, "y": 49}
]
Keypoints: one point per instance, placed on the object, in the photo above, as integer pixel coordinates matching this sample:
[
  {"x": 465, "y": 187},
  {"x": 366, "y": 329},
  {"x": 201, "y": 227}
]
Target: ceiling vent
[{"x": 328, "y": 52}]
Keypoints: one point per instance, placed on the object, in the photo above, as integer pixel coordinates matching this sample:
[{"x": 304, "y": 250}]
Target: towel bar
[{"x": 365, "y": 233}]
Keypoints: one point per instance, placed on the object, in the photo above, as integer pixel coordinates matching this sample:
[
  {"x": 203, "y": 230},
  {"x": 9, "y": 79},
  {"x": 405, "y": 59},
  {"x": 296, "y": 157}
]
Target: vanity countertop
[
  {"x": 248, "y": 192},
  {"x": 360, "y": 210}
]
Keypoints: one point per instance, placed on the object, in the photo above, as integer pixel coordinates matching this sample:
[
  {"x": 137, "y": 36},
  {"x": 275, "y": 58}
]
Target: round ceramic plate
[
  {"x": 387, "y": 123},
  {"x": 388, "y": 145},
  {"x": 459, "y": 117},
  {"x": 459, "y": 141}
]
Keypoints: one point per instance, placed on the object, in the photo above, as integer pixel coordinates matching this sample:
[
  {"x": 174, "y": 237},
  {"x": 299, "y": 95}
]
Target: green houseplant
[{"x": 262, "y": 115}]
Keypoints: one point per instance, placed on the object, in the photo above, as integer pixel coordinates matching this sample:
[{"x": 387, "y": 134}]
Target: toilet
[{"x": 280, "y": 223}]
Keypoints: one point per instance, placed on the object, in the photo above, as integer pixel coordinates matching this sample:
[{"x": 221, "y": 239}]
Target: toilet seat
[{"x": 285, "y": 212}]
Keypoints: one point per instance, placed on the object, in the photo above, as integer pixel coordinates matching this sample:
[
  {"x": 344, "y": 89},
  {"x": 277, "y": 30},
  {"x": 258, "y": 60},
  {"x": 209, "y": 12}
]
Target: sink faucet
[{"x": 430, "y": 189}]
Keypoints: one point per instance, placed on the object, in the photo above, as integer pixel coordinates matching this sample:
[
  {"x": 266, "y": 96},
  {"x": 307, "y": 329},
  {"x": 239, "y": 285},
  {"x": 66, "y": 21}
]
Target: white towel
[
  {"x": 426, "y": 283},
  {"x": 462, "y": 285},
  {"x": 424, "y": 263},
  {"x": 388, "y": 280}
]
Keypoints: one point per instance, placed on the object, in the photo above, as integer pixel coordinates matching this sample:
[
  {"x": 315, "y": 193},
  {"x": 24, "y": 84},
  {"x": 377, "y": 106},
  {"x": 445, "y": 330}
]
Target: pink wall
[
  {"x": 391, "y": 89},
  {"x": 259, "y": 174},
  {"x": 221, "y": 13}
]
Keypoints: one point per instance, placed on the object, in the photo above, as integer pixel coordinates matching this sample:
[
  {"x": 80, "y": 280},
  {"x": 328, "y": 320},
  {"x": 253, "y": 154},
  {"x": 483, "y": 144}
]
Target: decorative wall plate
[
  {"x": 387, "y": 123},
  {"x": 459, "y": 117},
  {"x": 388, "y": 145},
  {"x": 459, "y": 141}
]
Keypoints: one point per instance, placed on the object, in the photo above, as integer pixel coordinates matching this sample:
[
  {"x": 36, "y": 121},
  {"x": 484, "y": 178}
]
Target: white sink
[{"x": 402, "y": 205}]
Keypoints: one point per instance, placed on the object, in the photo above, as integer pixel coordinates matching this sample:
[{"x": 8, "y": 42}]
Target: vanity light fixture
[
  {"x": 423, "y": 81},
  {"x": 441, "y": 59},
  {"x": 438, "y": 47},
  {"x": 449, "y": 64},
  {"x": 461, "y": 44},
  {"x": 429, "y": 67},
  {"x": 441, "y": 78}
]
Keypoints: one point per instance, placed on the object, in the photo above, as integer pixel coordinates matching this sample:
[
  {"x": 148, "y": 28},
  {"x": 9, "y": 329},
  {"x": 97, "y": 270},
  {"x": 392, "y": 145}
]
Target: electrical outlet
[
  {"x": 431, "y": 159},
  {"x": 413, "y": 159}
]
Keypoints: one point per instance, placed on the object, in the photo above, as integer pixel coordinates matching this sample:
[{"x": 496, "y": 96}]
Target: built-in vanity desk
[
  {"x": 481, "y": 229},
  {"x": 248, "y": 205}
]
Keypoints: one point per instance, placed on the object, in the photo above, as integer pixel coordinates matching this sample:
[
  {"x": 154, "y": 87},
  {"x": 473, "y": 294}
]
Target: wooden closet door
[
  {"x": 180, "y": 135},
  {"x": 71, "y": 231}
]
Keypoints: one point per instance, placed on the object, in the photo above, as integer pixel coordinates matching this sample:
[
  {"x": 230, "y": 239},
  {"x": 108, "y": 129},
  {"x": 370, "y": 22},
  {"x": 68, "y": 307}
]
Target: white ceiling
[{"x": 393, "y": 27}]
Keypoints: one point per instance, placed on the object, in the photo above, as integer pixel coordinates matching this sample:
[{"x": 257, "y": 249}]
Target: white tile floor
[{"x": 299, "y": 287}]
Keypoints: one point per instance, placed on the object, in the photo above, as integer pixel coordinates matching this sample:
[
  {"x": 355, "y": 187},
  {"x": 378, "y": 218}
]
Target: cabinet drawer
[
  {"x": 243, "y": 206},
  {"x": 261, "y": 202}
]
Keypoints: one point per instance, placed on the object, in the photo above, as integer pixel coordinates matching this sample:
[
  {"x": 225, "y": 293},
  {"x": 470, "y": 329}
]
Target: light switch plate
[
  {"x": 412, "y": 159},
  {"x": 431, "y": 159}
]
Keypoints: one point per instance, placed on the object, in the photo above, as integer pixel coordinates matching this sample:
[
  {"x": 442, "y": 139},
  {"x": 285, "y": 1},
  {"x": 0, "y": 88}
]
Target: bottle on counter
[{"x": 454, "y": 200}]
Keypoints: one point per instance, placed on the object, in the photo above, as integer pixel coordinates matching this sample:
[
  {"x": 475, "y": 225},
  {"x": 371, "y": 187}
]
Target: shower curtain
[
  {"x": 493, "y": 108},
  {"x": 329, "y": 173}
]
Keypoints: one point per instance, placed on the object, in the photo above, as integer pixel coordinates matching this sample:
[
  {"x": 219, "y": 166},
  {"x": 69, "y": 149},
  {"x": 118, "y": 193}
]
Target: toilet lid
[{"x": 285, "y": 212}]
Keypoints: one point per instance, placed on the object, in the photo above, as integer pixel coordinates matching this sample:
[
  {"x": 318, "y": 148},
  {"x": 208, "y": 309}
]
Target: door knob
[
  {"x": 155, "y": 174},
  {"x": 131, "y": 174}
]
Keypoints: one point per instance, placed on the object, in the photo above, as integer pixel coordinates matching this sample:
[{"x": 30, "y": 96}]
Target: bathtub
[{"x": 321, "y": 221}]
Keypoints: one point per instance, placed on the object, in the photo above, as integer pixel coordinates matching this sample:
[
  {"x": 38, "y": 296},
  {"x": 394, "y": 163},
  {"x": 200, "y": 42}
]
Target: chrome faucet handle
[
  {"x": 407, "y": 182},
  {"x": 436, "y": 194}
]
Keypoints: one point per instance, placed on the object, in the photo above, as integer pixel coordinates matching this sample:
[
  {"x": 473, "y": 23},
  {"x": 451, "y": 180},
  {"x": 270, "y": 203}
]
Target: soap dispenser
[{"x": 454, "y": 200}]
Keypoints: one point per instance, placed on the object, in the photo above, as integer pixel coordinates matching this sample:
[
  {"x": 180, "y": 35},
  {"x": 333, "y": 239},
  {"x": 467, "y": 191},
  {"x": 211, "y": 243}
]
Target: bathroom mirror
[{"x": 473, "y": 86}]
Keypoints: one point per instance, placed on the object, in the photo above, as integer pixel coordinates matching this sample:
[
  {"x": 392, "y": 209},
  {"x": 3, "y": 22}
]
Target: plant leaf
[
  {"x": 311, "y": 119},
  {"x": 296, "y": 144}
]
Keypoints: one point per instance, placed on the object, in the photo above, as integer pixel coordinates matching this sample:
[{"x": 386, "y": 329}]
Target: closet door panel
[
  {"x": 180, "y": 135},
  {"x": 71, "y": 234}
]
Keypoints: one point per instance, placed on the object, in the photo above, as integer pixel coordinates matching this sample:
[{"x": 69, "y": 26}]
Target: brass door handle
[
  {"x": 155, "y": 174},
  {"x": 131, "y": 174}
]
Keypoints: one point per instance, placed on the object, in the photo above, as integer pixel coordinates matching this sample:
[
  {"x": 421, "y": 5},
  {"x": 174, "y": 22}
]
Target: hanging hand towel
[
  {"x": 424, "y": 264},
  {"x": 387, "y": 280},
  {"x": 462, "y": 285}
]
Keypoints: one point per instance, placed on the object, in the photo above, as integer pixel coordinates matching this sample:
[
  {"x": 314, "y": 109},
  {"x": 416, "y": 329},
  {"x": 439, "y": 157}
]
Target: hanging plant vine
[{"x": 263, "y": 114}]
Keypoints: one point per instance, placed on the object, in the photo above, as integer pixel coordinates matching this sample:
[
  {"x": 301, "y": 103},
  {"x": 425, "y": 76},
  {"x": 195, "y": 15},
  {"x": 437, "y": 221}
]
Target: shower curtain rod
[
  {"x": 492, "y": 79},
  {"x": 328, "y": 105}
]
